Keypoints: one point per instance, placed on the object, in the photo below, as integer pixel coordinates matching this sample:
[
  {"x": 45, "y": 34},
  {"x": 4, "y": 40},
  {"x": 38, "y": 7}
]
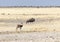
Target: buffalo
[{"x": 30, "y": 20}]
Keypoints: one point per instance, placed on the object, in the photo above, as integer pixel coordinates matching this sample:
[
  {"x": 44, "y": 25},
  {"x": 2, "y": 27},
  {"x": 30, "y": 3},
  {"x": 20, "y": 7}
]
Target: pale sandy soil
[
  {"x": 30, "y": 37},
  {"x": 42, "y": 22},
  {"x": 30, "y": 10},
  {"x": 46, "y": 26}
]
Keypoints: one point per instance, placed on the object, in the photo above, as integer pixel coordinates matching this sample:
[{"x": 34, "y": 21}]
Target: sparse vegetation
[{"x": 2, "y": 13}]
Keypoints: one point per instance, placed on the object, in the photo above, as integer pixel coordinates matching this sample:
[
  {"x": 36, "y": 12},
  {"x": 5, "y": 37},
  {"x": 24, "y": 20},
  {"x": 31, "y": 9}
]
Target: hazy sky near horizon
[{"x": 29, "y": 2}]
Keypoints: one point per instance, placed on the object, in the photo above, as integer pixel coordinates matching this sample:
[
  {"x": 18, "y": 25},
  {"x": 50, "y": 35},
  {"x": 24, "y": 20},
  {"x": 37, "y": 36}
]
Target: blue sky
[{"x": 29, "y": 2}]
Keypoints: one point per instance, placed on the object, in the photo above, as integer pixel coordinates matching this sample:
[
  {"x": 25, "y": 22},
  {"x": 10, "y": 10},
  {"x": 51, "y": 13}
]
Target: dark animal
[
  {"x": 19, "y": 26},
  {"x": 30, "y": 20}
]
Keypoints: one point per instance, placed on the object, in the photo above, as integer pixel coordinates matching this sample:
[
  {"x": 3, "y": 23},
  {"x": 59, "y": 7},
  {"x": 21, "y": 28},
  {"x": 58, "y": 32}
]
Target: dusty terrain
[
  {"x": 30, "y": 37},
  {"x": 42, "y": 22},
  {"x": 46, "y": 27}
]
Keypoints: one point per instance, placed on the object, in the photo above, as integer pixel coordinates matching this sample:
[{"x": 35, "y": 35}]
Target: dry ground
[
  {"x": 46, "y": 28},
  {"x": 42, "y": 23},
  {"x": 30, "y": 37}
]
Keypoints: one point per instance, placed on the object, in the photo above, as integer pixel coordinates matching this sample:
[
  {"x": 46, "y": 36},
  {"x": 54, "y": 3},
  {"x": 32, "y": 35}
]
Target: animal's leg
[
  {"x": 16, "y": 28},
  {"x": 20, "y": 28}
]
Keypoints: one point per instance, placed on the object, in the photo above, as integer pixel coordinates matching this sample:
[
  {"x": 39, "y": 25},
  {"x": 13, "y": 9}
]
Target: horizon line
[{"x": 29, "y": 6}]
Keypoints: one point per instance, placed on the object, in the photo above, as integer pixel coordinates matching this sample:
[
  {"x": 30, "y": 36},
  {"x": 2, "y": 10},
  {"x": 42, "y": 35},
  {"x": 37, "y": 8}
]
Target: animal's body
[
  {"x": 19, "y": 26},
  {"x": 30, "y": 20}
]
